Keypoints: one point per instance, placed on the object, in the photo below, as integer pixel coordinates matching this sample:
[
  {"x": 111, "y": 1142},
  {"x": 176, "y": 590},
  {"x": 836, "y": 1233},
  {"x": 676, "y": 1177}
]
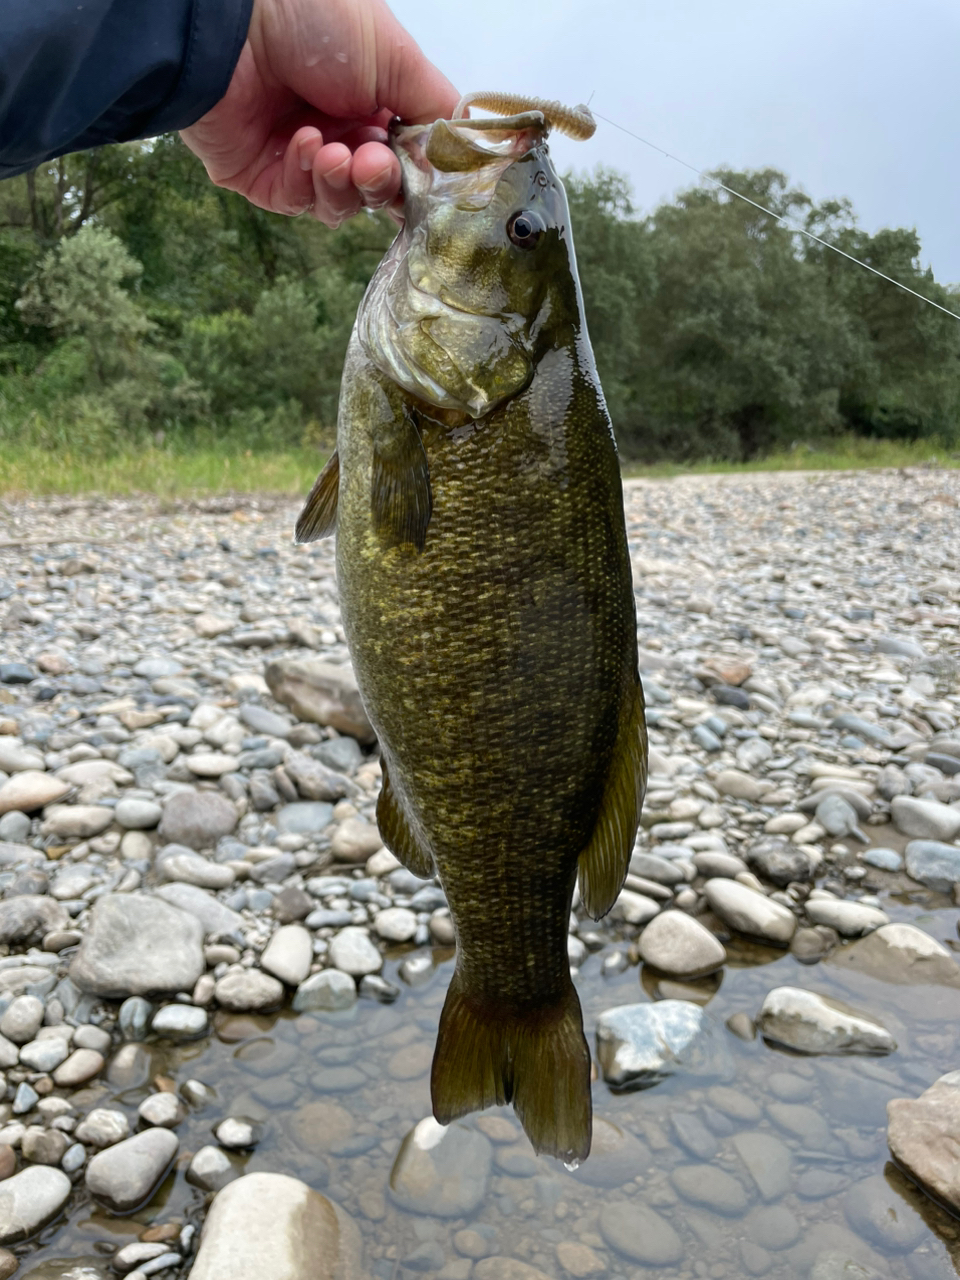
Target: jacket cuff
[{"x": 217, "y": 33}]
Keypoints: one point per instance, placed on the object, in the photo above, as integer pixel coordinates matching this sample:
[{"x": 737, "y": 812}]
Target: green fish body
[{"x": 487, "y": 601}]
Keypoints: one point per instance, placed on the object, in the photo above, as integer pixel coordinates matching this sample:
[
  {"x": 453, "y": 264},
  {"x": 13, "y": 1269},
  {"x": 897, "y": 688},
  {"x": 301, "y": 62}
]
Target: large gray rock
[
  {"x": 197, "y": 819},
  {"x": 750, "y": 912},
  {"x": 137, "y": 945},
  {"x": 902, "y": 954},
  {"x": 925, "y": 819},
  {"x": 28, "y": 918},
  {"x": 126, "y": 1174},
  {"x": 289, "y": 954},
  {"x": 213, "y": 915},
  {"x": 924, "y": 1138},
  {"x": 271, "y": 1225},
  {"x": 322, "y": 693},
  {"x": 29, "y": 1200},
  {"x": 314, "y": 780},
  {"x": 850, "y": 919},
  {"x": 878, "y": 1214},
  {"x": 639, "y": 1044},
  {"x": 933, "y": 863},
  {"x": 440, "y": 1170},
  {"x": 810, "y": 1023}
]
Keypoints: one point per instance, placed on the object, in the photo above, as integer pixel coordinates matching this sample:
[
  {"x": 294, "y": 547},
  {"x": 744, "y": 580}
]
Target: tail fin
[{"x": 540, "y": 1062}]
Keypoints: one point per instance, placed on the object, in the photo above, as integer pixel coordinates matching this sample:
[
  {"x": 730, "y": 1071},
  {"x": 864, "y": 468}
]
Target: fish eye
[{"x": 525, "y": 229}]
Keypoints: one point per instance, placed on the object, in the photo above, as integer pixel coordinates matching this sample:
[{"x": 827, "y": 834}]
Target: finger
[
  {"x": 335, "y": 197},
  {"x": 308, "y": 142},
  {"x": 376, "y": 174},
  {"x": 408, "y": 84}
]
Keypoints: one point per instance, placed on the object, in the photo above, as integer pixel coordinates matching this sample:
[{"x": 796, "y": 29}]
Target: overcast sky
[{"x": 849, "y": 98}]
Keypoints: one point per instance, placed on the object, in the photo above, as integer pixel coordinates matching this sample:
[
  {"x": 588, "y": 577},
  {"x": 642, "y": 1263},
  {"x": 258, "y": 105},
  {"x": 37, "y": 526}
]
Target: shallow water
[{"x": 338, "y": 1093}]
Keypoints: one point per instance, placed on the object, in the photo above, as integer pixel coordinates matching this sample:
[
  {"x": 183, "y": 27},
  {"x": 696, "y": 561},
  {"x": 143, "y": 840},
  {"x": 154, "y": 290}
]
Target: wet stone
[
  {"x": 772, "y": 1227},
  {"x": 441, "y": 1172},
  {"x": 711, "y": 1187},
  {"x": 29, "y": 1200},
  {"x": 640, "y": 1233},
  {"x": 352, "y": 952},
  {"x": 248, "y": 990},
  {"x": 934, "y": 863},
  {"x": 124, "y": 1175},
  {"x": 639, "y": 1044},
  {"x": 924, "y": 1137},
  {"x": 809, "y": 1023},
  {"x": 616, "y": 1156},
  {"x": 768, "y": 1162},
  {"x": 750, "y": 912},
  {"x": 677, "y": 944},
  {"x": 210, "y": 1169},
  {"x": 882, "y": 1217},
  {"x": 330, "y": 989}
]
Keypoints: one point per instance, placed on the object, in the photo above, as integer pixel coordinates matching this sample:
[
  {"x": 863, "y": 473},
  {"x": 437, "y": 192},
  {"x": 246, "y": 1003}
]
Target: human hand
[{"x": 302, "y": 125}]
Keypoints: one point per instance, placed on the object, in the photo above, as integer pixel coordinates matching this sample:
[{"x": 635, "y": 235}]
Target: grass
[
  {"x": 850, "y": 453},
  {"x": 158, "y": 471},
  {"x": 186, "y": 474}
]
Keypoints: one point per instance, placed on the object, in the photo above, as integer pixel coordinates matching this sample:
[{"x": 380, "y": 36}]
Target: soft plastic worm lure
[{"x": 575, "y": 122}]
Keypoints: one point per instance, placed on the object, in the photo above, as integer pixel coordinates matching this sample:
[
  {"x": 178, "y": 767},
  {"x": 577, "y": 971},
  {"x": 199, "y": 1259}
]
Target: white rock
[
  {"x": 79, "y": 821},
  {"x": 353, "y": 952},
  {"x": 187, "y": 867},
  {"x": 328, "y": 989},
  {"x": 248, "y": 990},
  {"x": 21, "y": 1019},
  {"x": 211, "y": 764},
  {"x": 31, "y": 790},
  {"x": 677, "y": 944},
  {"x": 103, "y": 1127},
  {"x": 29, "y": 1200},
  {"x": 179, "y": 1021},
  {"x": 396, "y": 924},
  {"x": 211, "y": 1169},
  {"x": 270, "y": 1225},
  {"x": 850, "y": 919},
  {"x": 289, "y": 954},
  {"x": 634, "y": 908},
  {"x": 810, "y": 1023},
  {"x": 355, "y": 840},
  {"x": 925, "y": 819},
  {"x": 126, "y": 1174},
  {"x": 137, "y": 815},
  {"x": 161, "y": 1109},
  {"x": 748, "y": 911}
]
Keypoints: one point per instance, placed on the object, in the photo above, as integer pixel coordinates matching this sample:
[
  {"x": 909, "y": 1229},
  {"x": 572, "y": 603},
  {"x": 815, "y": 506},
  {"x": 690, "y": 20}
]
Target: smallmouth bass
[{"x": 487, "y": 599}]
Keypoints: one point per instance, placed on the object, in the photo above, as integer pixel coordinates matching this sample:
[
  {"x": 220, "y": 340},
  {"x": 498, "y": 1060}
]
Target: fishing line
[{"x": 779, "y": 217}]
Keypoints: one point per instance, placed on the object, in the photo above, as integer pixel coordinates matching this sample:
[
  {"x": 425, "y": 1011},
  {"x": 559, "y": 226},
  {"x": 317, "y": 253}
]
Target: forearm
[{"x": 73, "y": 77}]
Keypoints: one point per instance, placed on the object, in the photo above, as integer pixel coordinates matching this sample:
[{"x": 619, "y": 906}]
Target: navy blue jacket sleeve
[{"x": 79, "y": 73}]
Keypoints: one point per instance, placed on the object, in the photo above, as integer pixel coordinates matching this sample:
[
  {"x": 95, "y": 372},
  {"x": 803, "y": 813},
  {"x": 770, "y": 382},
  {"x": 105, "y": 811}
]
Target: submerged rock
[
  {"x": 640, "y": 1044},
  {"x": 441, "y": 1171},
  {"x": 810, "y": 1023}
]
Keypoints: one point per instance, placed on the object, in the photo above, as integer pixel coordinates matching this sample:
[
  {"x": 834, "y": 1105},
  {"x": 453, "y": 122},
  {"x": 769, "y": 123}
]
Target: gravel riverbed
[{"x": 219, "y": 992}]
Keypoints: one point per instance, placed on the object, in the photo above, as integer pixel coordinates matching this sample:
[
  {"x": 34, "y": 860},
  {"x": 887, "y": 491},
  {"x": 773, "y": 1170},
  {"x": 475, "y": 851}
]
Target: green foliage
[{"x": 143, "y": 308}]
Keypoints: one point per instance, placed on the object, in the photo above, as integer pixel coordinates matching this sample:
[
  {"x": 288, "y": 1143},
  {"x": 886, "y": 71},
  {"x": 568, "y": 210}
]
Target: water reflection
[{"x": 773, "y": 1171}]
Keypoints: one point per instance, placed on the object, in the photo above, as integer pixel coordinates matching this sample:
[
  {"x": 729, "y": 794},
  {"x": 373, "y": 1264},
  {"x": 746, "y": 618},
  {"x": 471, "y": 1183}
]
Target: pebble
[
  {"x": 352, "y": 952},
  {"x": 237, "y": 1133},
  {"x": 677, "y": 944},
  {"x": 304, "y": 817},
  {"x": 395, "y": 924},
  {"x": 82, "y": 1065},
  {"x": 210, "y": 1169},
  {"x": 748, "y": 911},
  {"x": 124, "y": 1175},
  {"x": 29, "y": 1200},
  {"x": 639, "y": 1232},
  {"x": 882, "y": 1217},
  {"x": 933, "y": 863},
  {"x": 809, "y": 1023},
  {"x": 850, "y": 919},
  {"x": 710, "y": 1186},
  {"x": 161, "y": 1109},
  {"x": 885, "y": 859},
  {"x": 31, "y": 790},
  {"x": 289, "y": 954},
  {"x": 137, "y": 815},
  {"x": 768, "y": 1162},
  {"x": 248, "y": 991},
  {"x": 322, "y": 693},
  {"x": 136, "y": 945},
  {"x": 179, "y": 1022},
  {"x": 922, "y": 819},
  {"x": 330, "y": 989},
  {"x": 176, "y": 862},
  {"x": 22, "y": 1019},
  {"x": 197, "y": 819},
  {"x": 103, "y": 1127}
]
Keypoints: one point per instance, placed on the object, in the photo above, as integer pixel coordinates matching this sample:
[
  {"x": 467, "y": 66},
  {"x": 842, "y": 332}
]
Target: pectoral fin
[
  {"x": 318, "y": 519},
  {"x": 603, "y": 863},
  {"x": 400, "y": 486},
  {"x": 396, "y": 832}
]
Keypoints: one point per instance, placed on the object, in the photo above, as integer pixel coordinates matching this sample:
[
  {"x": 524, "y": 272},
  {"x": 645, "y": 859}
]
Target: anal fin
[
  {"x": 400, "y": 485},
  {"x": 396, "y": 833},
  {"x": 486, "y": 1056},
  {"x": 318, "y": 519},
  {"x": 604, "y": 862}
]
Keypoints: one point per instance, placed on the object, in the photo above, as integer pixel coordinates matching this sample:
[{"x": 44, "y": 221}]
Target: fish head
[{"x": 481, "y": 279}]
